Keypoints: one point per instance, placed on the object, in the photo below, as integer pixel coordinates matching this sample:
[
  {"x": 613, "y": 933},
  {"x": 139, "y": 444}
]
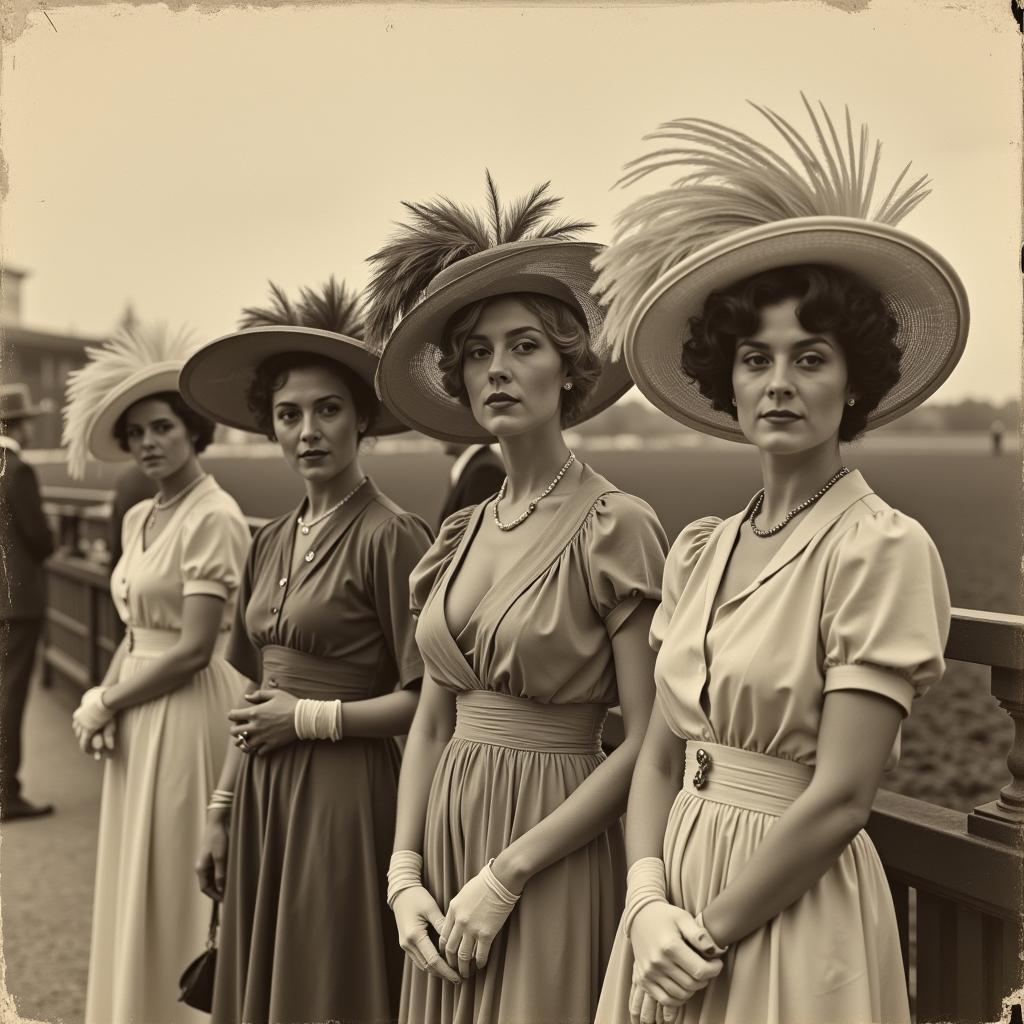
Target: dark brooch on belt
[{"x": 700, "y": 776}]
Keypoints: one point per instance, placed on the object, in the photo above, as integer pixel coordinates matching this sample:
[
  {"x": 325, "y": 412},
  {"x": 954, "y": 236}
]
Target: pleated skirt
[
  {"x": 306, "y": 933},
  {"x": 832, "y": 957},
  {"x": 149, "y": 917},
  {"x": 510, "y": 764}
]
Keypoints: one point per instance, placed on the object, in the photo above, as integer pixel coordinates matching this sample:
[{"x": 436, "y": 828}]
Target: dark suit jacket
[
  {"x": 26, "y": 540},
  {"x": 480, "y": 479}
]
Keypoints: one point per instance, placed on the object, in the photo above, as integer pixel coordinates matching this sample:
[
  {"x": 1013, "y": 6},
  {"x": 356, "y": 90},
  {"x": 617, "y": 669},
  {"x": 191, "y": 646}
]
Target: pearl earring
[
  {"x": 733, "y": 401},
  {"x": 851, "y": 402},
  {"x": 567, "y": 385}
]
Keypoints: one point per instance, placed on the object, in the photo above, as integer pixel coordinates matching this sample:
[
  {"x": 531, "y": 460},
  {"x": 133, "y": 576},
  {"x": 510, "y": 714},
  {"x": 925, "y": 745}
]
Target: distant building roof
[{"x": 49, "y": 341}]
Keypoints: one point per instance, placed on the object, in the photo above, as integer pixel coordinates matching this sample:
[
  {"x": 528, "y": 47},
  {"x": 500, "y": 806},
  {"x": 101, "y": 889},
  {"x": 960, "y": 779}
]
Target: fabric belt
[
  {"x": 741, "y": 778},
  {"x": 523, "y": 724},
  {"x": 151, "y": 643},
  {"x": 307, "y": 675}
]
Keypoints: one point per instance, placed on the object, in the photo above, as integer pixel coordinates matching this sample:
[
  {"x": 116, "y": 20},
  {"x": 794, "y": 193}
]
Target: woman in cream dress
[
  {"x": 159, "y": 712},
  {"x": 793, "y": 636}
]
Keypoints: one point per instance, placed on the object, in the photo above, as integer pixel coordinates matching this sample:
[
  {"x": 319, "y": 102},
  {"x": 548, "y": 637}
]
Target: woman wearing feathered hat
[
  {"x": 534, "y": 610},
  {"x": 168, "y": 686},
  {"x": 324, "y": 628},
  {"x": 766, "y": 303}
]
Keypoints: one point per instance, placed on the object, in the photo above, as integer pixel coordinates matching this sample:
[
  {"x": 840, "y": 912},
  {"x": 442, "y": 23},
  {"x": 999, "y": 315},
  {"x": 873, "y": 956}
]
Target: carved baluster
[{"x": 1003, "y": 819}]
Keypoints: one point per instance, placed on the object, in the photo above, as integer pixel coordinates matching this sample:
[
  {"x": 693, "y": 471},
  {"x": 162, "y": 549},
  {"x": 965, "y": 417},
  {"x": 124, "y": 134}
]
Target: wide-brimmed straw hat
[
  {"x": 138, "y": 362},
  {"x": 481, "y": 266},
  {"x": 16, "y": 403},
  {"x": 741, "y": 209},
  {"x": 216, "y": 378}
]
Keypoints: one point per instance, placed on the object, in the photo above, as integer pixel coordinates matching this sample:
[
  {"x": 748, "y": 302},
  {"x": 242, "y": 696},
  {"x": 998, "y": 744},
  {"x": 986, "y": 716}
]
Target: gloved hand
[
  {"x": 674, "y": 958},
  {"x": 474, "y": 917},
  {"x": 90, "y": 716},
  {"x": 414, "y": 909}
]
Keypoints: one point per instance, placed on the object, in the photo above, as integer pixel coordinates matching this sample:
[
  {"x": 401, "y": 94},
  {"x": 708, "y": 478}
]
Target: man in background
[
  {"x": 27, "y": 542},
  {"x": 476, "y": 475}
]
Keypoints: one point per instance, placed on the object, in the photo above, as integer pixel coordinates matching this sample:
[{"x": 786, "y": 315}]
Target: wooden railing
[{"x": 956, "y": 878}]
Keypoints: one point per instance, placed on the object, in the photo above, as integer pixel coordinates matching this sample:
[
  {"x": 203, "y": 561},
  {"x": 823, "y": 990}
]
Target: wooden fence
[{"x": 956, "y": 879}]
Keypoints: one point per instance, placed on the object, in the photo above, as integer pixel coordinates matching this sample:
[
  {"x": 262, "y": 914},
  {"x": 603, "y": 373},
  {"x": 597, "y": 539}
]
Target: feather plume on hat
[
  {"x": 732, "y": 182},
  {"x": 88, "y": 390},
  {"x": 334, "y": 307},
  {"x": 439, "y": 233}
]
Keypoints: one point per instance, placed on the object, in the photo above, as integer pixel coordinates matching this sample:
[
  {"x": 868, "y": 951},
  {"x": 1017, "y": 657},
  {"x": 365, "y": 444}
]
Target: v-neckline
[
  {"x": 186, "y": 501},
  {"x": 340, "y": 523},
  {"x": 823, "y": 513},
  {"x": 508, "y": 589}
]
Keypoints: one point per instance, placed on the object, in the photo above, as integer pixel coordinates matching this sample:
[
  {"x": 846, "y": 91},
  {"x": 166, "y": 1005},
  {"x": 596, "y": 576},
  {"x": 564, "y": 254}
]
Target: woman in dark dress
[{"x": 300, "y": 827}]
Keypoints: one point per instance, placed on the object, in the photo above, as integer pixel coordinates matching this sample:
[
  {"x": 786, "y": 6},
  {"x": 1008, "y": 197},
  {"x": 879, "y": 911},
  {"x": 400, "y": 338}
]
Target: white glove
[{"x": 475, "y": 916}]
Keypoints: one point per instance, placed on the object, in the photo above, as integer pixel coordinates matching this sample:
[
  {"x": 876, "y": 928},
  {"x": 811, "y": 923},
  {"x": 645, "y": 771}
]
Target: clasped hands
[
  {"x": 94, "y": 724},
  {"x": 673, "y": 959},
  {"x": 266, "y": 724},
  {"x": 475, "y": 916}
]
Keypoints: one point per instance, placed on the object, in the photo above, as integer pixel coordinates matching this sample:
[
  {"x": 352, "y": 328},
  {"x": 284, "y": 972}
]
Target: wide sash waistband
[
  {"x": 485, "y": 716},
  {"x": 151, "y": 643},
  {"x": 307, "y": 675},
  {"x": 742, "y": 778}
]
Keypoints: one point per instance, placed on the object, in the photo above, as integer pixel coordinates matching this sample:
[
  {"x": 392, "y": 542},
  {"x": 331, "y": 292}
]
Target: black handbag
[{"x": 196, "y": 982}]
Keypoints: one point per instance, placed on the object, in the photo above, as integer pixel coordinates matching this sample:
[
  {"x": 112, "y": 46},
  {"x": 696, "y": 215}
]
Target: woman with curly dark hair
[
  {"x": 300, "y": 825},
  {"x": 762, "y": 306},
  {"x": 534, "y": 612}
]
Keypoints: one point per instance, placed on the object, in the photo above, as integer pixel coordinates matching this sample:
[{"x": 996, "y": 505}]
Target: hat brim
[
  {"x": 921, "y": 289},
  {"x": 151, "y": 380},
  {"x": 408, "y": 378},
  {"x": 28, "y": 413},
  {"x": 215, "y": 380}
]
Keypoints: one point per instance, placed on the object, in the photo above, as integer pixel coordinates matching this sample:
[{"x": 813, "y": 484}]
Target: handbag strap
[{"x": 211, "y": 941}]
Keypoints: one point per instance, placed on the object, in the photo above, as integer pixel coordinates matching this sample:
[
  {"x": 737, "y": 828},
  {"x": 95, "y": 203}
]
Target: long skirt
[
  {"x": 149, "y": 917},
  {"x": 832, "y": 956},
  {"x": 510, "y": 764},
  {"x": 306, "y": 933}
]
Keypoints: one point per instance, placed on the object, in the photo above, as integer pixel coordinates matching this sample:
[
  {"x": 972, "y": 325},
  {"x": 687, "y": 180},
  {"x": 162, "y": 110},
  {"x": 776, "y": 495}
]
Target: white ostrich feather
[
  {"x": 131, "y": 349},
  {"x": 731, "y": 182}
]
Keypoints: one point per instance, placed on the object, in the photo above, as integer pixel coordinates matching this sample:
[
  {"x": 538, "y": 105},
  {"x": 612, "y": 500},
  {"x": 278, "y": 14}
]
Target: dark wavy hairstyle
[
  {"x": 199, "y": 427},
  {"x": 563, "y": 327},
  {"x": 831, "y": 300},
  {"x": 272, "y": 374}
]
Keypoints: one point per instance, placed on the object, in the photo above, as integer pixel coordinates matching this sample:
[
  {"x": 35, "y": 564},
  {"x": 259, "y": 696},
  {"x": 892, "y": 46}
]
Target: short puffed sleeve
[
  {"x": 625, "y": 549},
  {"x": 886, "y": 610},
  {"x": 438, "y": 555},
  {"x": 215, "y": 542},
  {"x": 682, "y": 557},
  {"x": 397, "y": 546}
]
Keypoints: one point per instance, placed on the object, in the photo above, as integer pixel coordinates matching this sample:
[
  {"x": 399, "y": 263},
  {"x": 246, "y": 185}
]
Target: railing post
[{"x": 1003, "y": 819}]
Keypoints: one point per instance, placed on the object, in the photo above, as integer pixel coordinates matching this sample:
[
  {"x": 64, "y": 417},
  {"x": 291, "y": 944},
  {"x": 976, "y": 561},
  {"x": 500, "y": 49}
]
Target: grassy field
[{"x": 954, "y": 746}]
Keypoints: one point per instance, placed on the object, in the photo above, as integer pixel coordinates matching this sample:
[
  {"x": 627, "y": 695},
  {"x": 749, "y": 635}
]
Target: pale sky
[{"x": 179, "y": 160}]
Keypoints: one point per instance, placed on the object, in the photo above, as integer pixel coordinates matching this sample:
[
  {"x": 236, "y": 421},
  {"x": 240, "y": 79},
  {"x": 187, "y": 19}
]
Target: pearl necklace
[
  {"x": 532, "y": 507},
  {"x": 305, "y": 526},
  {"x": 161, "y": 506},
  {"x": 792, "y": 512}
]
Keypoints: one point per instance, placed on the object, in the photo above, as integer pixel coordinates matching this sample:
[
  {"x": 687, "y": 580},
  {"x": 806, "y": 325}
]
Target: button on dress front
[
  {"x": 854, "y": 599},
  {"x": 306, "y": 933},
  {"x": 540, "y": 675},
  {"x": 149, "y": 917}
]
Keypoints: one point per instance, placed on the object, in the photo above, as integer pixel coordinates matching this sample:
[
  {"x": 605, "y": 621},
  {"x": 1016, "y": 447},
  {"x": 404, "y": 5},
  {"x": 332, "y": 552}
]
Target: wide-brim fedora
[{"x": 16, "y": 403}]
